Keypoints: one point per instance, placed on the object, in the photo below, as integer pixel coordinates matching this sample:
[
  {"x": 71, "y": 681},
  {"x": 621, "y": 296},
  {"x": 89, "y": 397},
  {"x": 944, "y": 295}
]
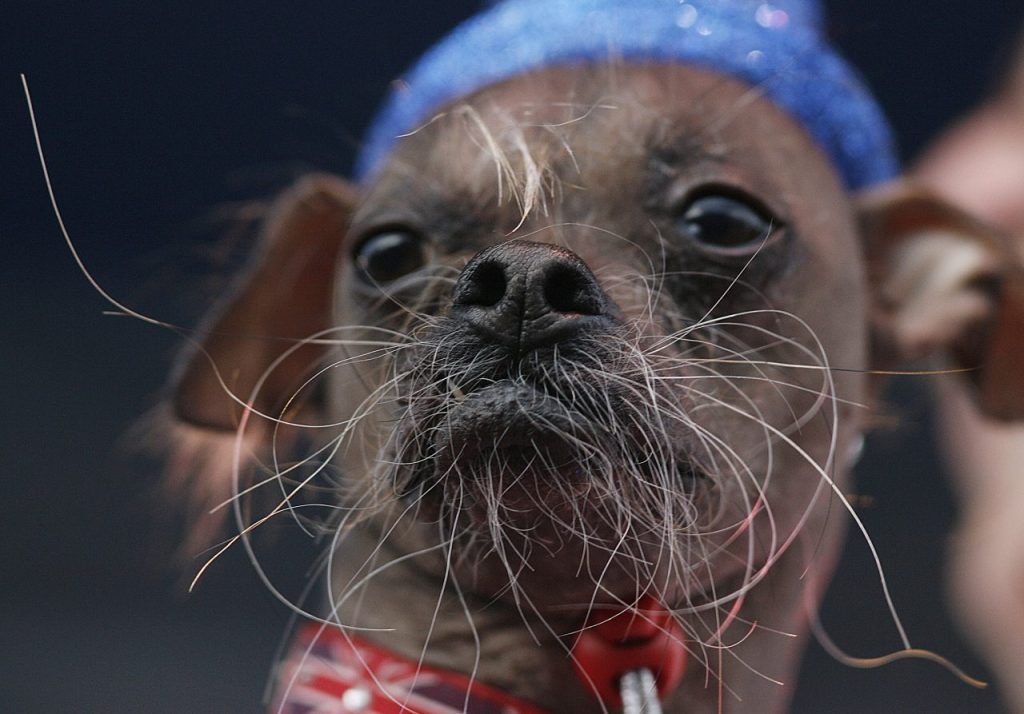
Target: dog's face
[
  {"x": 625, "y": 387},
  {"x": 605, "y": 336}
]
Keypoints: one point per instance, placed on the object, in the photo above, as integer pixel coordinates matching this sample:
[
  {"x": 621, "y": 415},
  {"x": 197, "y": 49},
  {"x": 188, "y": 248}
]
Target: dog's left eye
[
  {"x": 390, "y": 254},
  {"x": 725, "y": 224}
]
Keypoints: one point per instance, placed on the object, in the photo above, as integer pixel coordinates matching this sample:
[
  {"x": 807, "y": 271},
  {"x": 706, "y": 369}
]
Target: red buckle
[{"x": 643, "y": 637}]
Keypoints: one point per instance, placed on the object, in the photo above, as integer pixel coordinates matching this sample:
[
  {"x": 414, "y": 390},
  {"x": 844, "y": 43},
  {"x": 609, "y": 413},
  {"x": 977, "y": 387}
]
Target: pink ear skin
[
  {"x": 979, "y": 166},
  {"x": 945, "y": 283},
  {"x": 284, "y": 297}
]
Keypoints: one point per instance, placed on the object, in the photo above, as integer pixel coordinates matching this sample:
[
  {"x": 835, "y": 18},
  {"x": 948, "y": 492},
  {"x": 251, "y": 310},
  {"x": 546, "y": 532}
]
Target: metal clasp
[{"x": 639, "y": 692}]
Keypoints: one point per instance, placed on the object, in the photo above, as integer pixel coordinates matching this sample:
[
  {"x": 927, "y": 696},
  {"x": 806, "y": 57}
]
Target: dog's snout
[{"x": 527, "y": 295}]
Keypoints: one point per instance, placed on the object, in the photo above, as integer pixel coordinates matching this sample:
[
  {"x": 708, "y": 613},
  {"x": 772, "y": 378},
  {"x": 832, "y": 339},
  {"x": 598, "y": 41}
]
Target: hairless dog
[{"x": 580, "y": 364}]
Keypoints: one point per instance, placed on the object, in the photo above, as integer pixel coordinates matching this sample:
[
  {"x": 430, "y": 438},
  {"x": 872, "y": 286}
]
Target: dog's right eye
[
  {"x": 389, "y": 254},
  {"x": 727, "y": 223}
]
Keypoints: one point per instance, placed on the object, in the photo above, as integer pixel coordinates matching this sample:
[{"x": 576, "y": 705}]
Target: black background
[{"x": 158, "y": 118}]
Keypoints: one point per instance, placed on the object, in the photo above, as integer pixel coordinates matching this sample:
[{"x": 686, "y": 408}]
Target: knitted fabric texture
[{"x": 778, "y": 47}]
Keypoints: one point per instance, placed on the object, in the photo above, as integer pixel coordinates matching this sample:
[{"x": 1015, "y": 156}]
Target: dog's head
[{"x": 599, "y": 332}]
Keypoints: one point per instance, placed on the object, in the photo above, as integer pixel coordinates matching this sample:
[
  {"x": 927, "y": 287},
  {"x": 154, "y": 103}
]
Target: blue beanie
[{"x": 776, "y": 46}]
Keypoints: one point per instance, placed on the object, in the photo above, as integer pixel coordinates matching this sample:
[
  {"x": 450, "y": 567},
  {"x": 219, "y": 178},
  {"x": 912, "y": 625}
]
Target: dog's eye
[
  {"x": 725, "y": 224},
  {"x": 388, "y": 255}
]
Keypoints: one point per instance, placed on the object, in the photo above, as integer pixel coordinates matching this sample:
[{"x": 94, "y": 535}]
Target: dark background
[{"x": 157, "y": 119}]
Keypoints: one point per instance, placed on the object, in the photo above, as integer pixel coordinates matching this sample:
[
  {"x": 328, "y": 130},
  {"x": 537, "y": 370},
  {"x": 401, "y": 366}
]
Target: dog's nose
[{"x": 527, "y": 295}]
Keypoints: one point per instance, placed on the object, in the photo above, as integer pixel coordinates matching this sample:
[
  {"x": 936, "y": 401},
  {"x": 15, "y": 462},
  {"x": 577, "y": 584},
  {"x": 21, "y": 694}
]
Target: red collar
[{"x": 329, "y": 671}]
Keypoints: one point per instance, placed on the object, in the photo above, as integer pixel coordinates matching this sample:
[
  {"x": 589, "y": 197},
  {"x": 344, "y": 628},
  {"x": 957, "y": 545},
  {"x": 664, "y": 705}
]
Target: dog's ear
[
  {"x": 284, "y": 297},
  {"x": 943, "y": 282}
]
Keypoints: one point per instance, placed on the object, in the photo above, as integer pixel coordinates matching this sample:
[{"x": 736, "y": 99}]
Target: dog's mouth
[
  {"x": 509, "y": 424},
  {"x": 552, "y": 438}
]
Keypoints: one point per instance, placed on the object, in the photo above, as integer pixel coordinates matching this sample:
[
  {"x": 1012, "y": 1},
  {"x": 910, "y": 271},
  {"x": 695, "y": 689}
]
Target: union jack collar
[{"x": 331, "y": 672}]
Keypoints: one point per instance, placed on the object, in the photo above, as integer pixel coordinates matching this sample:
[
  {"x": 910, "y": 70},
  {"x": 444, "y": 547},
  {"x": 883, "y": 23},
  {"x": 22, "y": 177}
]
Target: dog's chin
[{"x": 530, "y": 490}]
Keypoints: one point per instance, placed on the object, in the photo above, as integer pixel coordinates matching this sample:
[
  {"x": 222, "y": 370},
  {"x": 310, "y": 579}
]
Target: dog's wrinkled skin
[{"x": 606, "y": 403}]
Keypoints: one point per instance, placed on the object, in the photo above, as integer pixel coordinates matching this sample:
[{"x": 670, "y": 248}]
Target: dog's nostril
[
  {"x": 569, "y": 290},
  {"x": 485, "y": 287}
]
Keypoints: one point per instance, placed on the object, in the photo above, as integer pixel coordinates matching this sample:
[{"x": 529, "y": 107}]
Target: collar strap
[
  {"x": 328, "y": 671},
  {"x": 777, "y": 46}
]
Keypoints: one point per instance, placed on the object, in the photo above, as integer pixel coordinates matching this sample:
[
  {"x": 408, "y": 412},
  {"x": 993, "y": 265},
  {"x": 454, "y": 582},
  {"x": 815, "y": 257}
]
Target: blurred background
[{"x": 165, "y": 123}]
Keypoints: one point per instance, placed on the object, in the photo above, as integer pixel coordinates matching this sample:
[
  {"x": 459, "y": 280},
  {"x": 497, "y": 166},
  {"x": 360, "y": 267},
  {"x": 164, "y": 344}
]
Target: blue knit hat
[{"x": 777, "y": 46}]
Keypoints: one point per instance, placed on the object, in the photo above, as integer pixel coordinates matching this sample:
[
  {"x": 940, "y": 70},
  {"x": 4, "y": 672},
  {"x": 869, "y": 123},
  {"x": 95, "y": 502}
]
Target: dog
[{"x": 585, "y": 359}]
